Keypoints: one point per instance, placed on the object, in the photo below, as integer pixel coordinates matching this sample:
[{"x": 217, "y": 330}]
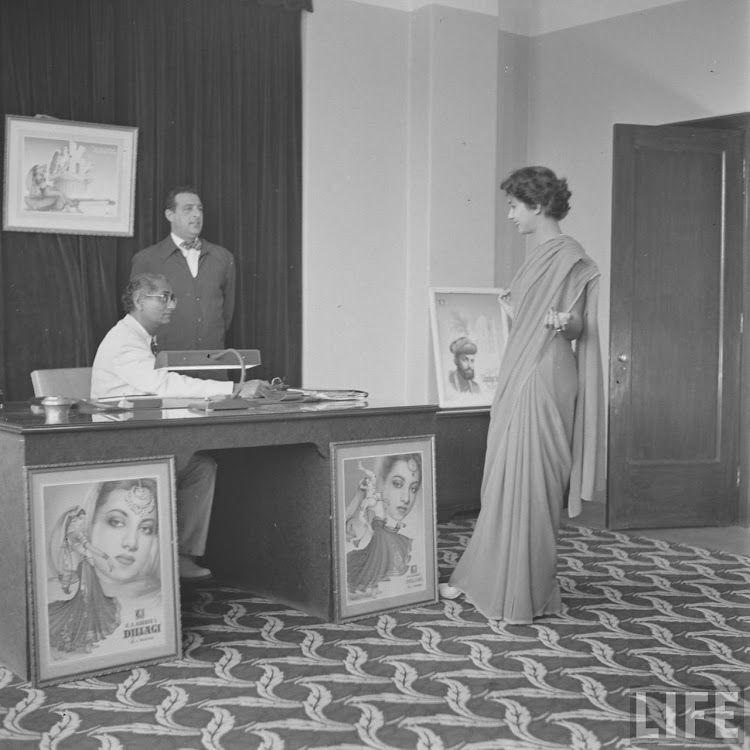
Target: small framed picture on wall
[{"x": 68, "y": 177}]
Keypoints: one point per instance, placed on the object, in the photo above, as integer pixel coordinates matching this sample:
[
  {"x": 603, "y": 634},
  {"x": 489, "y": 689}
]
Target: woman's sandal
[{"x": 447, "y": 591}]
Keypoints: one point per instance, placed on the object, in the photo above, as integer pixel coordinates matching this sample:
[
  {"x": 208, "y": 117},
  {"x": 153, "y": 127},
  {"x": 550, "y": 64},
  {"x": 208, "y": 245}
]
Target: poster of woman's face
[
  {"x": 104, "y": 570},
  {"x": 384, "y": 515}
]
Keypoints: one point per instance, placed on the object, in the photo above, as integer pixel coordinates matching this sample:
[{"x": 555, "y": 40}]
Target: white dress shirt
[
  {"x": 191, "y": 256},
  {"x": 124, "y": 366}
]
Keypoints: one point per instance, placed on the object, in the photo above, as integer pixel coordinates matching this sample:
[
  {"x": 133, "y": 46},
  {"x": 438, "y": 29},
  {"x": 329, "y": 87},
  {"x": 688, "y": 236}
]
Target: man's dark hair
[{"x": 171, "y": 201}]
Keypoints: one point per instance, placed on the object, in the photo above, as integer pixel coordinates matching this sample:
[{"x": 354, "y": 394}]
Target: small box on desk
[{"x": 207, "y": 359}]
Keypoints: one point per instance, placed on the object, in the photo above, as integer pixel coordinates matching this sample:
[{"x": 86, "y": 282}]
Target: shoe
[
  {"x": 190, "y": 570},
  {"x": 447, "y": 591}
]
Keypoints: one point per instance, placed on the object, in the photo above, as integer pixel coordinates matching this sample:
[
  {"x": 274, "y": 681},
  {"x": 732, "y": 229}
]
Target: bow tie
[{"x": 194, "y": 244}]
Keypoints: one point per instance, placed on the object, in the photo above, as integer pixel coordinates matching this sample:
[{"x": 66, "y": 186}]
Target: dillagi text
[{"x": 147, "y": 627}]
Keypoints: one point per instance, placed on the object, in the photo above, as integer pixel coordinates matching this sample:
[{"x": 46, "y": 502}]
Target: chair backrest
[{"x": 72, "y": 382}]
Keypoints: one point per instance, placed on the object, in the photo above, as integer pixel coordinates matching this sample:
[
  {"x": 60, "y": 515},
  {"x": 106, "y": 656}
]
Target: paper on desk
[{"x": 328, "y": 394}]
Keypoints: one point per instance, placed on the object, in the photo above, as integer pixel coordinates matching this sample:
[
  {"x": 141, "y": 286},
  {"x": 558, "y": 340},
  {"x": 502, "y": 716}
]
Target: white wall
[
  {"x": 677, "y": 62},
  {"x": 462, "y": 171},
  {"x": 354, "y": 196},
  {"x": 399, "y": 174},
  {"x": 412, "y": 118},
  {"x": 464, "y": 140},
  {"x": 512, "y": 145}
]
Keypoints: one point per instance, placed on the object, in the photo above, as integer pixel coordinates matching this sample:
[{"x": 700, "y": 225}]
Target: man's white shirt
[
  {"x": 191, "y": 255},
  {"x": 124, "y": 366}
]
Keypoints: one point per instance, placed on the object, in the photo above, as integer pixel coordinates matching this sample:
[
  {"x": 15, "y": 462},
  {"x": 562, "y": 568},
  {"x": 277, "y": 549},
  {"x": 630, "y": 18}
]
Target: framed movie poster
[
  {"x": 384, "y": 525},
  {"x": 68, "y": 177},
  {"x": 103, "y": 565},
  {"x": 469, "y": 331}
]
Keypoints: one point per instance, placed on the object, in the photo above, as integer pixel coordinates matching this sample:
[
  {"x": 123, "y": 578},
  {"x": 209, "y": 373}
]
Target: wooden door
[{"x": 675, "y": 324}]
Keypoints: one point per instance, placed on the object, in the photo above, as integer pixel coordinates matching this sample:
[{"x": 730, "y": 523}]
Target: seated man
[{"x": 124, "y": 366}]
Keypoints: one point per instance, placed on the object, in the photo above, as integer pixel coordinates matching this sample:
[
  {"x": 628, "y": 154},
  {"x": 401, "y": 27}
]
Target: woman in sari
[{"x": 545, "y": 437}]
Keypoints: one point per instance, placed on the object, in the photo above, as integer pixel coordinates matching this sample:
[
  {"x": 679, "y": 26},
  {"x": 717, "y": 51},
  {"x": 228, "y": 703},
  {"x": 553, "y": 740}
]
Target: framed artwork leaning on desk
[
  {"x": 384, "y": 524},
  {"x": 103, "y": 567},
  {"x": 469, "y": 331}
]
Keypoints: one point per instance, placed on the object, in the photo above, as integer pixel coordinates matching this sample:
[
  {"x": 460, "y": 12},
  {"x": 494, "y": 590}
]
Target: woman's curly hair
[{"x": 539, "y": 186}]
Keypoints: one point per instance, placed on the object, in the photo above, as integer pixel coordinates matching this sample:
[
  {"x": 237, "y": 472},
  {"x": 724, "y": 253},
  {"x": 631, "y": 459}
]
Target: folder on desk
[{"x": 331, "y": 394}]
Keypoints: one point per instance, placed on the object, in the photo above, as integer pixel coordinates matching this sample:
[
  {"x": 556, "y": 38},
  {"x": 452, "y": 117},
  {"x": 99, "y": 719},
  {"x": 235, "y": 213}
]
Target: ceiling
[{"x": 534, "y": 17}]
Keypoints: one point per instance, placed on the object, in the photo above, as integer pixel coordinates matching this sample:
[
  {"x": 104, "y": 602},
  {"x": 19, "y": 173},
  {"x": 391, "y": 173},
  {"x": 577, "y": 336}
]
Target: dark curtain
[{"x": 214, "y": 87}]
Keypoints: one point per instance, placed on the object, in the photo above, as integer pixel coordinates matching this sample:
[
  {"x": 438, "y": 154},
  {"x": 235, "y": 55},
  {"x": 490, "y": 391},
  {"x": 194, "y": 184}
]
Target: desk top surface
[{"x": 18, "y": 417}]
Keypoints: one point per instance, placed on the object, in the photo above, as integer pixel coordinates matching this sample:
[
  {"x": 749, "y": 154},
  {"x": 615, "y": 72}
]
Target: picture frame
[
  {"x": 103, "y": 577},
  {"x": 469, "y": 333},
  {"x": 384, "y": 525},
  {"x": 68, "y": 177}
]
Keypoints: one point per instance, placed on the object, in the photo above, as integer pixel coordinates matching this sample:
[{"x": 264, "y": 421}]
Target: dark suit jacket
[{"x": 205, "y": 304}]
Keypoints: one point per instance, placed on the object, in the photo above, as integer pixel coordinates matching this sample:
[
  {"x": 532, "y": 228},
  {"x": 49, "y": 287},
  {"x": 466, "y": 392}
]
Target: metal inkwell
[{"x": 56, "y": 409}]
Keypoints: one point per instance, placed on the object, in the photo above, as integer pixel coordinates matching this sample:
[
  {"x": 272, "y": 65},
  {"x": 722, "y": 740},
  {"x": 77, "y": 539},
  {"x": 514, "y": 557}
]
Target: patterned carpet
[{"x": 638, "y": 613}]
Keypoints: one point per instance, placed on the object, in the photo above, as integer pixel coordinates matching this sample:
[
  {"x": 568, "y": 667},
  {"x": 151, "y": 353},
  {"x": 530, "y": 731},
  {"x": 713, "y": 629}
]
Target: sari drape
[{"x": 545, "y": 434}]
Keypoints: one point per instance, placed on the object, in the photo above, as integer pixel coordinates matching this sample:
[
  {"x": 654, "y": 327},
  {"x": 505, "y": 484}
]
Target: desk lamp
[{"x": 225, "y": 359}]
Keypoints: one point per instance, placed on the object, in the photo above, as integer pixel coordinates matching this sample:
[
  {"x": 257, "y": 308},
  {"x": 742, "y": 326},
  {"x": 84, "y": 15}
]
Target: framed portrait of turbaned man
[{"x": 469, "y": 332}]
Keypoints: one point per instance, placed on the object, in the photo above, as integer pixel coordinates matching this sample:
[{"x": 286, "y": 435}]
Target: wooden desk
[
  {"x": 460, "y": 445},
  {"x": 271, "y": 524}
]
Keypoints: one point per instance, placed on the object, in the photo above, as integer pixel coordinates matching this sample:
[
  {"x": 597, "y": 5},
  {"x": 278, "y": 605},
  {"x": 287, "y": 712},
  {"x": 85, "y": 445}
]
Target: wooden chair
[{"x": 72, "y": 382}]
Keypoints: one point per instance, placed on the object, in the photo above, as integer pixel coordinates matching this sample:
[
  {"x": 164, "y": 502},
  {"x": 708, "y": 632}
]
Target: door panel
[{"x": 675, "y": 327}]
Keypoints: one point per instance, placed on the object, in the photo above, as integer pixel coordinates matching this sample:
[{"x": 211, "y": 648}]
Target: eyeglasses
[{"x": 165, "y": 297}]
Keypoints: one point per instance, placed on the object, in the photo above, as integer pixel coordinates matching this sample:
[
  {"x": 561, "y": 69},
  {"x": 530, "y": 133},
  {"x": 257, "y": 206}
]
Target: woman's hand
[
  {"x": 254, "y": 388},
  {"x": 368, "y": 489},
  {"x": 365, "y": 495},
  {"x": 361, "y": 508},
  {"x": 504, "y": 299},
  {"x": 566, "y": 324}
]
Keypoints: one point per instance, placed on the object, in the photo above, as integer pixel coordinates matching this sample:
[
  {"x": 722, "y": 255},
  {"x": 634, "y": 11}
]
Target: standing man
[{"x": 201, "y": 274}]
